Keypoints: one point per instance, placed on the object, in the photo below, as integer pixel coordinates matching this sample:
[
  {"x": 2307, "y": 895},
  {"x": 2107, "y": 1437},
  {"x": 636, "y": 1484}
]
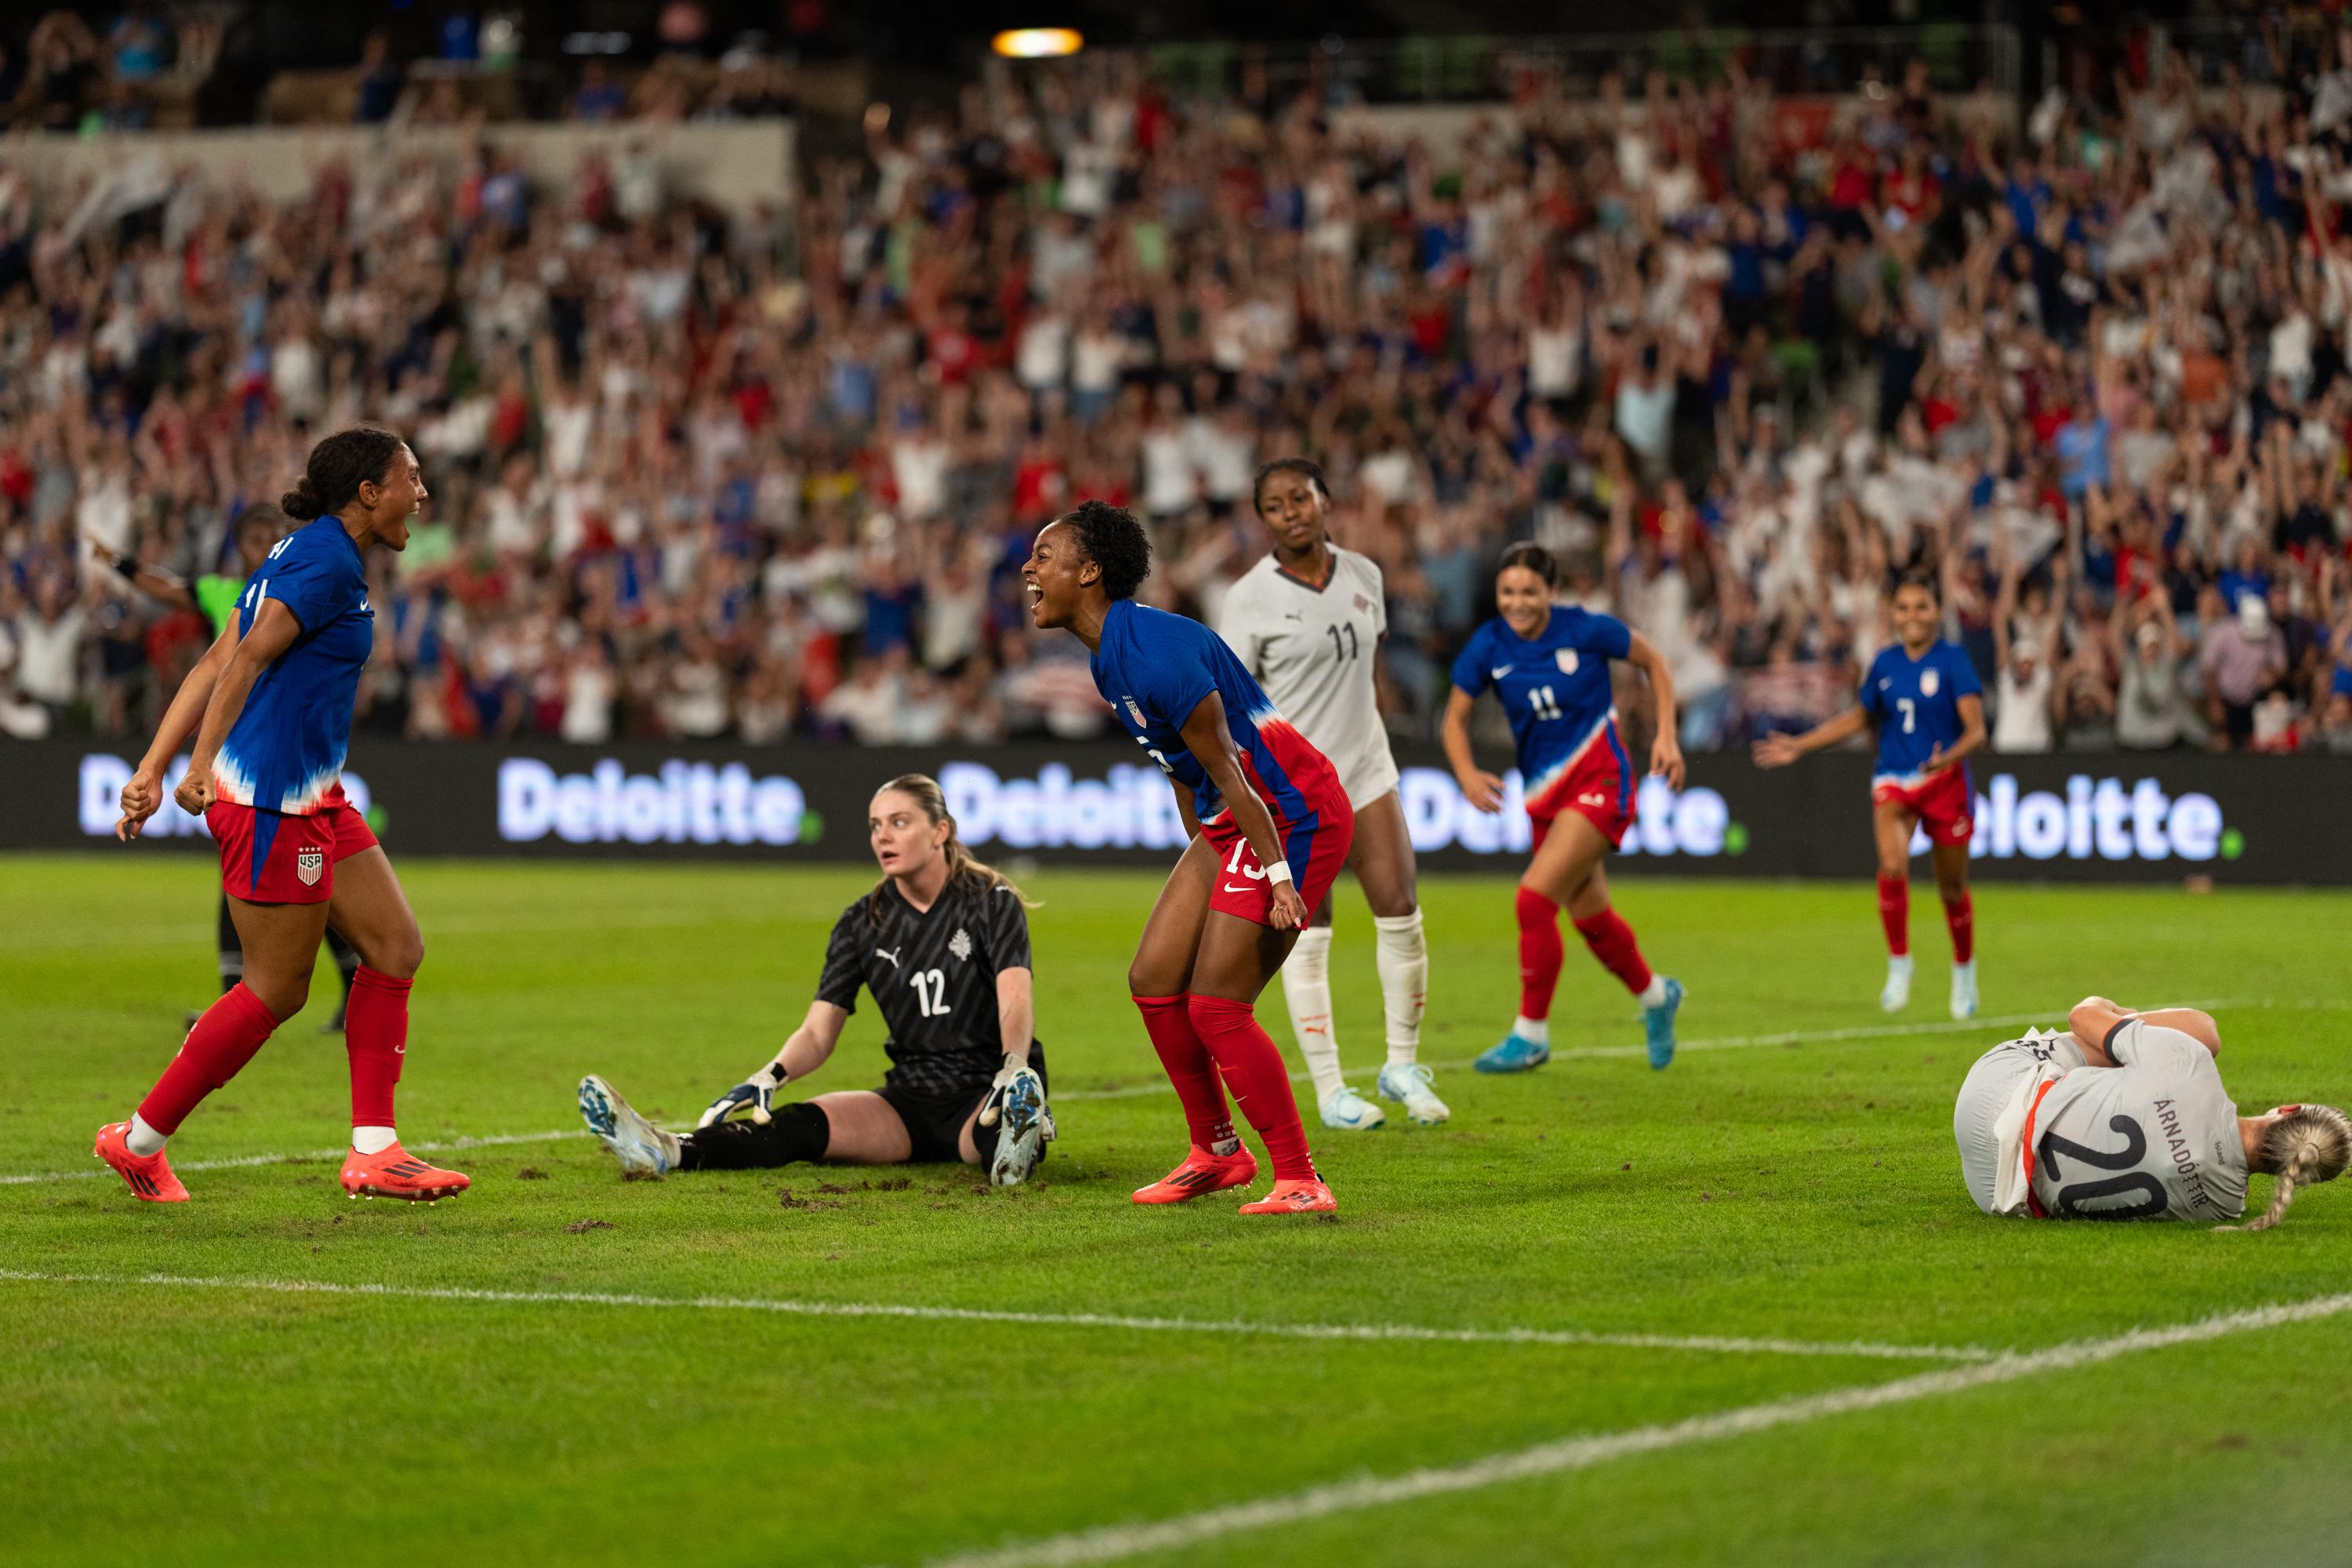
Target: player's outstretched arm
[
  {"x": 2095, "y": 1018},
  {"x": 1210, "y": 742},
  {"x": 806, "y": 1051},
  {"x": 273, "y": 632},
  {"x": 1780, "y": 751},
  {"x": 1482, "y": 789},
  {"x": 1666, "y": 747},
  {"x": 1016, "y": 1011},
  {"x": 142, "y": 796}
]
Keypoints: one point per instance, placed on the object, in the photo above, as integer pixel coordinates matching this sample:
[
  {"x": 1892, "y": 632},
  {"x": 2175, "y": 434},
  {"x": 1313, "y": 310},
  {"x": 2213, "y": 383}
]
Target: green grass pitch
[{"x": 1795, "y": 1191}]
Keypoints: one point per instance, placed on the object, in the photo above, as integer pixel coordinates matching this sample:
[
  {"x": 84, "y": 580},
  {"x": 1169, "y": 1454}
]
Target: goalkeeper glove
[{"x": 754, "y": 1093}]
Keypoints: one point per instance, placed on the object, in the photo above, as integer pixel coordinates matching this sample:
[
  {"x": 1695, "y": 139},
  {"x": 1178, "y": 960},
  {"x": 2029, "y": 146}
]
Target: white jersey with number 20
[
  {"x": 2155, "y": 1134},
  {"x": 1312, "y": 649}
]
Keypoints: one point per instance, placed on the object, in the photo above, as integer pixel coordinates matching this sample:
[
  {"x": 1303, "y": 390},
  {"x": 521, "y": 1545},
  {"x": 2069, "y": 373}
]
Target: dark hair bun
[
  {"x": 1530, "y": 556},
  {"x": 301, "y": 503}
]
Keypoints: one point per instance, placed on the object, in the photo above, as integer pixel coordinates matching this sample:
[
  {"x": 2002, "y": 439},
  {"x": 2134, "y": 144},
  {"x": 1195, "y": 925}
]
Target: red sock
[
  {"x": 375, "y": 1036},
  {"x": 1612, "y": 941},
  {"x": 1540, "y": 954},
  {"x": 1894, "y": 913},
  {"x": 1192, "y": 1070},
  {"x": 1254, "y": 1070},
  {"x": 216, "y": 1051},
  {"x": 1960, "y": 914}
]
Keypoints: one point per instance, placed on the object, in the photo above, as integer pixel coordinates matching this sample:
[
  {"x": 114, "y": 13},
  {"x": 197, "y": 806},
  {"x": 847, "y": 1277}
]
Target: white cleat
[
  {"x": 1964, "y": 990},
  {"x": 1346, "y": 1109},
  {"x": 642, "y": 1148},
  {"x": 1409, "y": 1085},
  {"x": 1896, "y": 995}
]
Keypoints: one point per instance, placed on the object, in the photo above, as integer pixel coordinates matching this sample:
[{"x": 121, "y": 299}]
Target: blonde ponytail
[
  {"x": 975, "y": 878},
  {"x": 2310, "y": 1144}
]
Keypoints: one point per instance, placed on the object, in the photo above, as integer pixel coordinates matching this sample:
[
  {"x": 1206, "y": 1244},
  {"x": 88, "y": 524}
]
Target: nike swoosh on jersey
[
  {"x": 1499, "y": 673},
  {"x": 1229, "y": 887}
]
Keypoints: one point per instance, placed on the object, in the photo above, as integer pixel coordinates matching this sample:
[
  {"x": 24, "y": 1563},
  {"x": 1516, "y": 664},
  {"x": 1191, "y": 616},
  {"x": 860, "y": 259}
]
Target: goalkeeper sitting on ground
[{"x": 942, "y": 942}]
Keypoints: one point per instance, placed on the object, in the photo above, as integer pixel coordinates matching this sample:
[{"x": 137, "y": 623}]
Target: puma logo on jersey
[
  {"x": 1292, "y": 615},
  {"x": 890, "y": 953}
]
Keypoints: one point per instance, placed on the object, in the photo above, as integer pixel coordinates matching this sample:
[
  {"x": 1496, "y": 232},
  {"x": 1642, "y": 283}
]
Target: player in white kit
[
  {"x": 1306, "y": 621},
  {"x": 2125, "y": 1118}
]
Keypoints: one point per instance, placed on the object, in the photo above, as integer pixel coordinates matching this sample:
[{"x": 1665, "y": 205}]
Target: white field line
[
  {"x": 1707, "y": 1343},
  {"x": 1111, "y": 1543},
  {"x": 1139, "y": 1090},
  {"x": 242, "y": 1162}
]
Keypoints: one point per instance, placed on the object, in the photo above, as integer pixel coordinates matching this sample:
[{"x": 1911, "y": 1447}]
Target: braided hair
[{"x": 2309, "y": 1144}]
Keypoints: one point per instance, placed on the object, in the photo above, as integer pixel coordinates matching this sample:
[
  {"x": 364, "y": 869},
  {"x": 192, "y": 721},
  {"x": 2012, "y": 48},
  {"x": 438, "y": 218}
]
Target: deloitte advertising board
[{"x": 2109, "y": 817}]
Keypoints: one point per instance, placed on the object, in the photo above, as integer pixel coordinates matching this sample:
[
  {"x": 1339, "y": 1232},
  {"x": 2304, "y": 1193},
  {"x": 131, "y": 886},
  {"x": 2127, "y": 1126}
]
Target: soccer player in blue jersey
[
  {"x": 1549, "y": 664},
  {"x": 274, "y": 695},
  {"x": 1270, "y": 827},
  {"x": 1925, "y": 701}
]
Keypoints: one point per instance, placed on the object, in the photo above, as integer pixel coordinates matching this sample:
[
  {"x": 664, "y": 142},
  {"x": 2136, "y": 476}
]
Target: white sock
[
  {"x": 1968, "y": 969},
  {"x": 1306, "y": 991},
  {"x": 1899, "y": 963},
  {"x": 143, "y": 1140},
  {"x": 373, "y": 1140},
  {"x": 1403, "y": 954},
  {"x": 1654, "y": 993},
  {"x": 1535, "y": 1031}
]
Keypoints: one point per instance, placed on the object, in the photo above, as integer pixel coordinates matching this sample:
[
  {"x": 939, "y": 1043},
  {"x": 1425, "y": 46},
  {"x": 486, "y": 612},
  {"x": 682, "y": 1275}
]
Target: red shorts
[
  {"x": 1598, "y": 786},
  {"x": 1946, "y": 804},
  {"x": 1315, "y": 855},
  {"x": 269, "y": 857}
]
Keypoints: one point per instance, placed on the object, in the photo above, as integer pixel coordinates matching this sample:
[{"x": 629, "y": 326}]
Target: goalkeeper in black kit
[{"x": 942, "y": 942}]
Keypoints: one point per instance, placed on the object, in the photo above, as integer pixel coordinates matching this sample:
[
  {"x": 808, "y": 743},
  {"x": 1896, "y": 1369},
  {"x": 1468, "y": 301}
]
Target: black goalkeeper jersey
[{"x": 933, "y": 974}]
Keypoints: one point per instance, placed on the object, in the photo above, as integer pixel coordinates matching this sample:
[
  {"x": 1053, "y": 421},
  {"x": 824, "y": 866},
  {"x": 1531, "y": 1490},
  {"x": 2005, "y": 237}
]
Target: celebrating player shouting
[
  {"x": 1255, "y": 797},
  {"x": 2125, "y": 1118},
  {"x": 942, "y": 942},
  {"x": 275, "y": 694},
  {"x": 1307, "y": 622},
  {"x": 1927, "y": 706},
  {"x": 1549, "y": 665}
]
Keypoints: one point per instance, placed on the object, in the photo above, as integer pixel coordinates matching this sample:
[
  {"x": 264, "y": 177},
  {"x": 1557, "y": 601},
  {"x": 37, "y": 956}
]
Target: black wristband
[
  {"x": 127, "y": 566},
  {"x": 2107, "y": 1042}
]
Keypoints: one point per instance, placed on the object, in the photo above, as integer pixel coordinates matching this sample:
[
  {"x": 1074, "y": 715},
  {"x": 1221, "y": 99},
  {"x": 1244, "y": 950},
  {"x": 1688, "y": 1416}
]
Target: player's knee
[
  {"x": 1894, "y": 869},
  {"x": 399, "y": 955},
  {"x": 283, "y": 995}
]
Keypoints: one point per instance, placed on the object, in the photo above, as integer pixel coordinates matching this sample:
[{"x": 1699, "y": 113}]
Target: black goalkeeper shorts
[{"x": 935, "y": 1122}]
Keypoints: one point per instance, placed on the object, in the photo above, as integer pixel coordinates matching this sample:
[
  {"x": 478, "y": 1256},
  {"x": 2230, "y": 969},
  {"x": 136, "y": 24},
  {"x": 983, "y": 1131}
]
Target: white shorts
[
  {"x": 1368, "y": 775},
  {"x": 1990, "y": 1085}
]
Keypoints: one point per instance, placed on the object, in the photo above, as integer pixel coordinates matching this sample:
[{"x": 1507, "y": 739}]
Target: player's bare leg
[
  {"x": 371, "y": 909},
  {"x": 1951, "y": 863},
  {"x": 1891, "y": 826}
]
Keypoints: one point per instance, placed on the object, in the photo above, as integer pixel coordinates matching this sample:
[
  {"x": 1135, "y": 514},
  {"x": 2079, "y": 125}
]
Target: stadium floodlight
[{"x": 1037, "y": 43}]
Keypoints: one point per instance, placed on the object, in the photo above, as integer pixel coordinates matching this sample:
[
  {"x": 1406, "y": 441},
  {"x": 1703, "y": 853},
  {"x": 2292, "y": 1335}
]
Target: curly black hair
[
  {"x": 1114, "y": 542},
  {"x": 339, "y": 465}
]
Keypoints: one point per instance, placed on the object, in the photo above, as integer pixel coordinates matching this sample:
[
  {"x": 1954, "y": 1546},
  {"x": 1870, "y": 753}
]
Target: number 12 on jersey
[{"x": 930, "y": 992}]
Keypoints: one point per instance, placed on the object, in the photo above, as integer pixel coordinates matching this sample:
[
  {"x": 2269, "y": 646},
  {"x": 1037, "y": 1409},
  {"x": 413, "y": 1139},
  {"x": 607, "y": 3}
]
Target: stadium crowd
[{"x": 757, "y": 476}]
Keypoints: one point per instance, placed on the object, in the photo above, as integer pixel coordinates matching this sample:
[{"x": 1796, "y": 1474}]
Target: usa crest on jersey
[
  {"x": 309, "y": 864},
  {"x": 1928, "y": 681},
  {"x": 1566, "y": 658}
]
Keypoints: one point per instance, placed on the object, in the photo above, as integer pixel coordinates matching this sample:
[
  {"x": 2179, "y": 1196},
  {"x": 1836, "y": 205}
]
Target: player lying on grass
[
  {"x": 942, "y": 942},
  {"x": 2125, "y": 1118}
]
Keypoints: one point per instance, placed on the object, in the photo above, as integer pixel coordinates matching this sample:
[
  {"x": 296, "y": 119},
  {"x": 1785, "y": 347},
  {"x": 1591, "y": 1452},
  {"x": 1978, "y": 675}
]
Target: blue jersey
[
  {"x": 285, "y": 752},
  {"x": 1154, "y": 669},
  {"x": 1916, "y": 704},
  {"x": 1554, "y": 688}
]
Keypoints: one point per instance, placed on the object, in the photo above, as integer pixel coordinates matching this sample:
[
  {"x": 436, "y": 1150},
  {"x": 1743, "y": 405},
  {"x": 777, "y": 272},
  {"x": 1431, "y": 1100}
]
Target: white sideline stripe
[
  {"x": 1110, "y": 1543},
  {"x": 243, "y": 1161},
  {"x": 1711, "y": 1344},
  {"x": 1138, "y": 1090}
]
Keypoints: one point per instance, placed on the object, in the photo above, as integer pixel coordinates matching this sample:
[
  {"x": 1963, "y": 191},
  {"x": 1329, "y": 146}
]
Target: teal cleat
[
  {"x": 1659, "y": 1021},
  {"x": 1514, "y": 1054}
]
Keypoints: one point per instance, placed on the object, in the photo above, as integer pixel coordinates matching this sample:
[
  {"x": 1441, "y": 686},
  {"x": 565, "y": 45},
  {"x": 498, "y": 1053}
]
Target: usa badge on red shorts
[{"x": 308, "y": 865}]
